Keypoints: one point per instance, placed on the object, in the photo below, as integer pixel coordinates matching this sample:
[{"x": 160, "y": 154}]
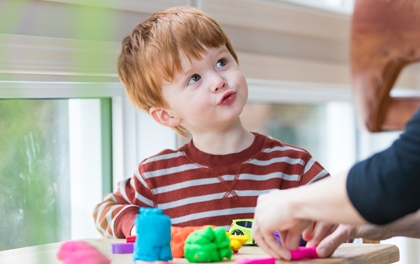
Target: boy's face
[{"x": 208, "y": 94}]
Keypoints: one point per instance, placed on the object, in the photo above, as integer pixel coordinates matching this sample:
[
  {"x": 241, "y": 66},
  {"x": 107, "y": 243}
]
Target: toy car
[{"x": 240, "y": 227}]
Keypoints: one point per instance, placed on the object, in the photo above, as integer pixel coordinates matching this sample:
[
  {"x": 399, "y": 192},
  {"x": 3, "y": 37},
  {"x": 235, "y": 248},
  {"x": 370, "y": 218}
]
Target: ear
[{"x": 163, "y": 117}]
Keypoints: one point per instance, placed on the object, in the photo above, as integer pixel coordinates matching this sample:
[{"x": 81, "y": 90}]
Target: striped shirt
[{"x": 195, "y": 188}]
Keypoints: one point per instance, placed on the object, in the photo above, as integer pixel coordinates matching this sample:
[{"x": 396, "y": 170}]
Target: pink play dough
[
  {"x": 304, "y": 252},
  {"x": 80, "y": 252},
  {"x": 300, "y": 253}
]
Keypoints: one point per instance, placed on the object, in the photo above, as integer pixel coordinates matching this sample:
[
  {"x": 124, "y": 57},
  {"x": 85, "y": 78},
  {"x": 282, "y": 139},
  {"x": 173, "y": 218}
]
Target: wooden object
[
  {"x": 346, "y": 253},
  {"x": 369, "y": 241},
  {"x": 384, "y": 38}
]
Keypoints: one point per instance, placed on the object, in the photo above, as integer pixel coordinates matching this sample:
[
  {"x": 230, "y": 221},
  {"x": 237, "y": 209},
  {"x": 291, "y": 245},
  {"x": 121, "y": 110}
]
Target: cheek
[
  {"x": 200, "y": 104},
  {"x": 240, "y": 79},
  {"x": 243, "y": 85},
  {"x": 195, "y": 103}
]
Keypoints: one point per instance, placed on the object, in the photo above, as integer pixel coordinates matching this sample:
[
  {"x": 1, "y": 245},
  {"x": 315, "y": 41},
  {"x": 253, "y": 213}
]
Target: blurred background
[{"x": 68, "y": 133}]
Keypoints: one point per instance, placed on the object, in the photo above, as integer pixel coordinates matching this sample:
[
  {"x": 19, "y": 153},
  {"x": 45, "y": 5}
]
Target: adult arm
[
  {"x": 290, "y": 211},
  {"x": 378, "y": 190},
  {"x": 386, "y": 186}
]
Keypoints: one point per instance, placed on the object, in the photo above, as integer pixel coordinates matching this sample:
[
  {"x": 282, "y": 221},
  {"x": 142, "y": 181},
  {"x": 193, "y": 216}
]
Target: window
[
  {"x": 56, "y": 159},
  {"x": 63, "y": 146},
  {"x": 50, "y": 171}
]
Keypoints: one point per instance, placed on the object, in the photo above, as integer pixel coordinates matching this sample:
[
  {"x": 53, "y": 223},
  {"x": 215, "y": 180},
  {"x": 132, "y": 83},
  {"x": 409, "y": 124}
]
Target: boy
[{"x": 180, "y": 67}]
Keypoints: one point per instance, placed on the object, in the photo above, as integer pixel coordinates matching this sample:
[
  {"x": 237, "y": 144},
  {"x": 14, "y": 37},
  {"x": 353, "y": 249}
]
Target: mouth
[{"x": 227, "y": 98}]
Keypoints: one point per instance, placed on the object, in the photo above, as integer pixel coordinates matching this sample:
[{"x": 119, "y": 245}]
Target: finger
[
  {"x": 330, "y": 243},
  {"x": 257, "y": 236},
  {"x": 290, "y": 239},
  {"x": 322, "y": 230},
  {"x": 275, "y": 247},
  {"x": 274, "y": 250},
  {"x": 307, "y": 234}
]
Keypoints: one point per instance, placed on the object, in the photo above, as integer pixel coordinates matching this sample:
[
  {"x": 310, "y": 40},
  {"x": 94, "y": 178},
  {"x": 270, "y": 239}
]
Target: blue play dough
[{"x": 153, "y": 236}]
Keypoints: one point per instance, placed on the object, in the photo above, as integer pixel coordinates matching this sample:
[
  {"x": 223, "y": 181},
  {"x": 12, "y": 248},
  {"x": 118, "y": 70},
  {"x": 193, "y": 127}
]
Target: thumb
[{"x": 331, "y": 242}]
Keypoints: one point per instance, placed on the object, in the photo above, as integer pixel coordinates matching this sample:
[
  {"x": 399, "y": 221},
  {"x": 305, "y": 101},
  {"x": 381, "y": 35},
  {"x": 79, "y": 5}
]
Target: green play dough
[{"x": 207, "y": 245}]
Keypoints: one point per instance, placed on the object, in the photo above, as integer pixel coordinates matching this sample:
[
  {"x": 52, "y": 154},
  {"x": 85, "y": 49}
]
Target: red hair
[{"x": 151, "y": 52}]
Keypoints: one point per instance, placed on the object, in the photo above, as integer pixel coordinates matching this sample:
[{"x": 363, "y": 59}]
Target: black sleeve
[{"x": 386, "y": 186}]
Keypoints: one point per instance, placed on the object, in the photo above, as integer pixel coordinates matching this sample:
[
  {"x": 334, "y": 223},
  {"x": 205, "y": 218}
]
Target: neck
[{"x": 225, "y": 142}]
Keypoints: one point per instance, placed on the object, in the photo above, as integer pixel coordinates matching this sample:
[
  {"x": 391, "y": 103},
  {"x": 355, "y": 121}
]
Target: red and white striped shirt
[{"x": 195, "y": 188}]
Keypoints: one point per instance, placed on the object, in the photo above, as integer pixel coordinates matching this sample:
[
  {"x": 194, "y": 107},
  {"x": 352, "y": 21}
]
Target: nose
[{"x": 218, "y": 82}]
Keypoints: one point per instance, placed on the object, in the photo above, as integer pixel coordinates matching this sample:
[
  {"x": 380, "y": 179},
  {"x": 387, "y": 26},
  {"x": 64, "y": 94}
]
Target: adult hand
[
  {"x": 315, "y": 233},
  {"x": 344, "y": 233},
  {"x": 274, "y": 213},
  {"x": 291, "y": 211},
  {"x": 408, "y": 226}
]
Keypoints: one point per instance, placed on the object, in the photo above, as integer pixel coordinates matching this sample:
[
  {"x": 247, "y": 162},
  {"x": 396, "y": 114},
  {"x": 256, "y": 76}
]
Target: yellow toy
[{"x": 236, "y": 242}]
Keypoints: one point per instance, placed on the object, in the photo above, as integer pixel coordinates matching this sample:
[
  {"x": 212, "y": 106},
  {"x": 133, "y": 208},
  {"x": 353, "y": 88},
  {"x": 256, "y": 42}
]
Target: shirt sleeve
[
  {"x": 114, "y": 216},
  {"x": 386, "y": 186},
  {"x": 312, "y": 171}
]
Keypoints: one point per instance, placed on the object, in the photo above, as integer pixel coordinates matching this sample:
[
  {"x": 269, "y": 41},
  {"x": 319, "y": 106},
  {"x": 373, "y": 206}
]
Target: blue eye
[
  {"x": 195, "y": 78},
  {"x": 220, "y": 63}
]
